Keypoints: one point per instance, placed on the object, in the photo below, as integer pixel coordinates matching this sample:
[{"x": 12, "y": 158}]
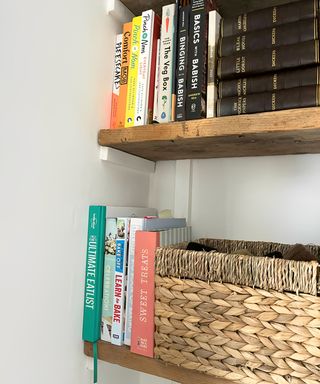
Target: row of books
[
  {"x": 268, "y": 59},
  {"x": 119, "y": 282}
]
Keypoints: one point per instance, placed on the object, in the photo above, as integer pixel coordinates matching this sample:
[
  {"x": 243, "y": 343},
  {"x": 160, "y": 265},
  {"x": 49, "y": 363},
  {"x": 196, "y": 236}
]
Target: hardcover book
[
  {"x": 298, "y": 97},
  {"x": 142, "y": 339},
  {"x": 270, "y": 82},
  {"x": 269, "y": 60},
  {"x": 94, "y": 274},
  {"x": 141, "y": 224},
  {"x": 182, "y": 56},
  {"x": 133, "y": 71},
  {"x": 124, "y": 73},
  {"x": 156, "y": 86},
  {"x": 197, "y": 59},
  {"x": 116, "y": 82},
  {"x": 213, "y": 38},
  {"x": 166, "y": 64},
  {"x": 286, "y": 34},
  {"x": 269, "y": 17}
]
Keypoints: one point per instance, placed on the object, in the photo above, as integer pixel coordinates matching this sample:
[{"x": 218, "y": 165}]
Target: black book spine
[
  {"x": 269, "y": 60},
  {"x": 298, "y": 97},
  {"x": 174, "y": 61},
  {"x": 197, "y": 59},
  {"x": 269, "y": 17},
  {"x": 182, "y": 59},
  {"x": 292, "y": 33},
  {"x": 270, "y": 82}
]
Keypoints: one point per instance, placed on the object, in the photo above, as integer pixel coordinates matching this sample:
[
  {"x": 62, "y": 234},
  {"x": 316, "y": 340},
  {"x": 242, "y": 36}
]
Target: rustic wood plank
[
  {"x": 295, "y": 131},
  {"x": 123, "y": 357},
  {"x": 226, "y": 7}
]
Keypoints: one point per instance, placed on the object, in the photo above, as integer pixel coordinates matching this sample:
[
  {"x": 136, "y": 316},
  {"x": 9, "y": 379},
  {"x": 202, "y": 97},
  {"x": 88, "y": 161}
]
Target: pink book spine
[{"x": 142, "y": 336}]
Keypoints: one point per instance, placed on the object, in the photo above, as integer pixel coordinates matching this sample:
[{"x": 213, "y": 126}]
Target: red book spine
[
  {"x": 156, "y": 36},
  {"x": 142, "y": 336}
]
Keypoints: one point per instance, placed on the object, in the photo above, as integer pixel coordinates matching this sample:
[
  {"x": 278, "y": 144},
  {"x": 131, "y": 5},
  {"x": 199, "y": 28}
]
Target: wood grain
[
  {"x": 295, "y": 131},
  {"x": 123, "y": 357},
  {"x": 226, "y": 7}
]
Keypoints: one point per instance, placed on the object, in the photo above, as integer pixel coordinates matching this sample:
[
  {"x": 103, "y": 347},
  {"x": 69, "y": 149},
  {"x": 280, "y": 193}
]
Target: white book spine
[
  {"x": 166, "y": 64},
  {"x": 156, "y": 84},
  {"x": 117, "y": 330},
  {"x": 213, "y": 38},
  {"x": 146, "y": 39},
  {"x": 136, "y": 224}
]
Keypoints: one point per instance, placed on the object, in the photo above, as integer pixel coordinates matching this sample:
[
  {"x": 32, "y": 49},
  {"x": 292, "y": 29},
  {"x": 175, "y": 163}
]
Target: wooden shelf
[
  {"x": 295, "y": 131},
  {"x": 123, "y": 357},
  {"x": 226, "y": 7}
]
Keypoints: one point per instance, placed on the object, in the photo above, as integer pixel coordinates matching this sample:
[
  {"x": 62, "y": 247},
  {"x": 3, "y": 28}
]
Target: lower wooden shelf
[{"x": 123, "y": 357}]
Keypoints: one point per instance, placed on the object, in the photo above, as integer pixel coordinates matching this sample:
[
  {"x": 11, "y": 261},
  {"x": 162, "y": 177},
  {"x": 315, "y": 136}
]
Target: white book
[
  {"x": 116, "y": 80},
  {"x": 146, "y": 41},
  {"x": 156, "y": 84},
  {"x": 142, "y": 224},
  {"x": 213, "y": 38},
  {"x": 166, "y": 63},
  {"x": 118, "y": 316}
]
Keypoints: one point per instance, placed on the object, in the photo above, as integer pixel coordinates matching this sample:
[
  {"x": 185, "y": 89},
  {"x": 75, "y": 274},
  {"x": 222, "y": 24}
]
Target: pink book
[{"x": 142, "y": 336}]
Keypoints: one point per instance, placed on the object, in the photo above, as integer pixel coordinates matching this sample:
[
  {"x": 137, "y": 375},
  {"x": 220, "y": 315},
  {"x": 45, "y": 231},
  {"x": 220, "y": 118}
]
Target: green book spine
[{"x": 94, "y": 274}]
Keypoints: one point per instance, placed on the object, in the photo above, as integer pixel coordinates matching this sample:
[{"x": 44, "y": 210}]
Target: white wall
[{"x": 55, "y": 81}]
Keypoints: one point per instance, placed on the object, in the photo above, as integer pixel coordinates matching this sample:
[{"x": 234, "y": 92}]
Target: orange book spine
[
  {"x": 142, "y": 335},
  {"x": 116, "y": 82},
  {"x": 124, "y": 71}
]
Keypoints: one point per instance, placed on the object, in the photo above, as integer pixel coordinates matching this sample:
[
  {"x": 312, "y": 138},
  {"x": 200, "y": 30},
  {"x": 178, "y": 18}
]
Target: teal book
[{"x": 94, "y": 274}]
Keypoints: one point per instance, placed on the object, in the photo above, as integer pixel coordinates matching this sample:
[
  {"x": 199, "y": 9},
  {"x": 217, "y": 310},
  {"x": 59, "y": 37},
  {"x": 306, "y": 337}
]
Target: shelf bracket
[
  {"x": 118, "y": 11},
  {"x": 126, "y": 160}
]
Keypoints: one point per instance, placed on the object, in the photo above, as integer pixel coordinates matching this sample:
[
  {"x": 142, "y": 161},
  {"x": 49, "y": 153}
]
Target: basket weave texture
[{"x": 225, "y": 319}]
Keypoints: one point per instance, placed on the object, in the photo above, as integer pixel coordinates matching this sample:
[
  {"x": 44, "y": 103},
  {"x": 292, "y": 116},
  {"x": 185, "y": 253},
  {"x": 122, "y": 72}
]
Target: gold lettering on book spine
[
  {"x": 243, "y": 42},
  {"x": 274, "y": 14},
  {"x": 244, "y": 22},
  {"x": 273, "y": 39},
  {"x": 244, "y": 105},
  {"x": 243, "y": 64},
  {"x": 244, "y": 86},
  {"x": 275, "y": 81},
  {"x": 238, "y": 43},
  {"x": 239, "y": 22},
  {"x": 274, "y": 58},
  {"x": 239, "y": 87},
  {"x": 273, "y": 102}
]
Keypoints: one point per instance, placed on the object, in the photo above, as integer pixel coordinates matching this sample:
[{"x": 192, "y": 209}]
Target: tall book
[
  {"x": 298, "y": 97},
  {"x": 156, "y": 86},
  {"x": 141, "y": 224},
  {"x": 269, "y": 17},
  {"x": 299, "y": 77},
  {"x": 213, "y": 38},
  {"x": 94, "y": 274},
  {"x": 285, "y": 34},
  {"x": 166, "y": 64},
  {"x": 268, "y": 60},
  {"x": 118, "y": 321},
  {"x": 197, "y": 59},
  {"x": 182, "y": 56},
  {"x": 174, "y": 61},
  {"x": 116, "y": 82},
  {"x": 142, "y": 339},
  {"x": 133, "y": 72},
  {"x": 108, "y": 279},
  {"x": 124, "y": 73}
]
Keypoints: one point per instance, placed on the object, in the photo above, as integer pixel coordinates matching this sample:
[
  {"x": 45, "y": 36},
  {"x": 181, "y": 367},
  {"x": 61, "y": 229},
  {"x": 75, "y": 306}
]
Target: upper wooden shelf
[
  {"x": 226, "y": 7},
  {"x": 123, "y": 357},
  {"x": 295, "y": 131}
]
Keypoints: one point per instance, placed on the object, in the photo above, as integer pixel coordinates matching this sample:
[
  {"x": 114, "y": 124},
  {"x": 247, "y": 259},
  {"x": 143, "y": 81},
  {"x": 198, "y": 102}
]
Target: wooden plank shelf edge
[
  {"x": 295, "y": 131},
  {"x": 123, "y": 357}
]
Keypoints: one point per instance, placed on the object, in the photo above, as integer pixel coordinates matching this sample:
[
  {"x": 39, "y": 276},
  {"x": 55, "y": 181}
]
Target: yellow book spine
[{"x": 133, "y": 72}]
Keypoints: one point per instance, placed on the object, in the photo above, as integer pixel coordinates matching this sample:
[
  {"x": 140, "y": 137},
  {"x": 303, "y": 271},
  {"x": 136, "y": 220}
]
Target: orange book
[
  {"x": 125, "y": 62},
  {"x": 142, "y": 334}
]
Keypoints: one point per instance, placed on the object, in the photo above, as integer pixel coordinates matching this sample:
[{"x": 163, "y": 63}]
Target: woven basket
[{"x": 244, "y": 318}]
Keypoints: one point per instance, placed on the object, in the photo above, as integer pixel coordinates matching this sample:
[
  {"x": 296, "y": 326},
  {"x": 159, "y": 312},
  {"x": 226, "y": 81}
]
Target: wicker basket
[{"x": 244, "y": 318}]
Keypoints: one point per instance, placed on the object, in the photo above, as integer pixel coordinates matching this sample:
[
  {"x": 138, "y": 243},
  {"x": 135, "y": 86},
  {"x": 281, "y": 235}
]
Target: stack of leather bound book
[{"x": 268, "y": 59}]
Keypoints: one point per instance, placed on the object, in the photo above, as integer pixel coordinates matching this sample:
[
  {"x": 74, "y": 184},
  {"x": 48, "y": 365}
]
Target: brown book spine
[
  {"x": 270, "y": 82},
  {"x": 268, "y": 60},
  {"x": 269, "y": 17},
  {"x": 286, "y": 34},
  {"x": 298, "y": 97}
]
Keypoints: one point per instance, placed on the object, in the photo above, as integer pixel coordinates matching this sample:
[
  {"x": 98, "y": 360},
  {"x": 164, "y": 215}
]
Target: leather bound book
[
  {"x": 269, "y": 17},
  {"x": 270, "y": 82},
  {"x": 286, "y": 34},
  {"x": 298, "y": 97},
  {"x": 268, "y": 60}
]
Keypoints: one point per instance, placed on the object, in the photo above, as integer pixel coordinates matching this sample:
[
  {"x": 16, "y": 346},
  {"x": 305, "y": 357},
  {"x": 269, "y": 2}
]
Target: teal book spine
[{"x": 94, "y": 274}]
